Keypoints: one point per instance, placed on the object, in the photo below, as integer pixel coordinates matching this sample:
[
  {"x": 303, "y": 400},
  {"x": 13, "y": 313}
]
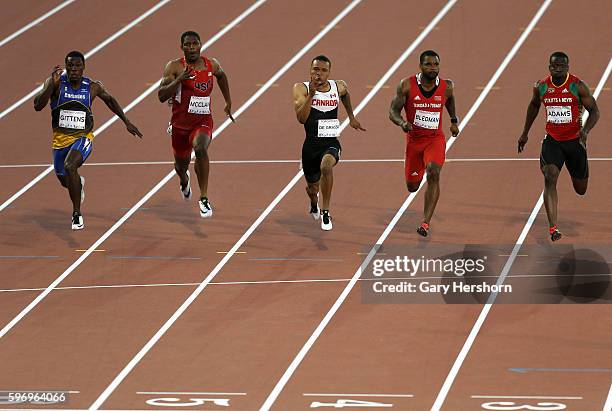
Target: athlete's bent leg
[
  {"x": 312, "y": 189},
  {"x": 181, "y": 165},
  {"x": 202, "y": 163},
  {"x": 433, "y": 190},
  {"x": 73, "y": 161},
  {"x": 413, "y": 186},
  {"x": 580, "y": 185},
  {"x": 551, "y": 175},
  {"x": 327, "y": 179},
  {"x": 62, "y": 180}
]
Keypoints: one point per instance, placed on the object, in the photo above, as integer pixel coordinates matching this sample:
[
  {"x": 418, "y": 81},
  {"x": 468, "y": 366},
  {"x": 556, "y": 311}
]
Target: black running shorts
[
  {"x": 312, "y": 155},
  {"x": 571, "y": 153}
]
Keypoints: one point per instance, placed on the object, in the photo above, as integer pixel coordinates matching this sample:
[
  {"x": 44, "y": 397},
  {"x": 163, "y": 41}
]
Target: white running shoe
[
  {"x": 205, "y": 208},
  {"x": 315, "y": 212},
  {"x": 82, "y": 189},
  {"x": 186, "y": 192},
  {"x": 326, "y": 221},
  {"x": 77, "y": 221}
]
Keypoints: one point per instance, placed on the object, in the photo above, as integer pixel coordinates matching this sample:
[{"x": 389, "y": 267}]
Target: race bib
[
  {"x": 329, "y": 128},
  {"x": 559, "y": 114},
  {"x": 199, "y": 105},
  {"x": 427, "y": 119},
  {"x": 72, "y": 119}
]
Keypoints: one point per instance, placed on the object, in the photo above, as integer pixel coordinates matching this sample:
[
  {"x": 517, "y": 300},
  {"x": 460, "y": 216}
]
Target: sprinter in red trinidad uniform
[
  {"x": 187, "y": 84},
  {"x": 423, "y": 97},
  {"x": 563, "y": 95}
]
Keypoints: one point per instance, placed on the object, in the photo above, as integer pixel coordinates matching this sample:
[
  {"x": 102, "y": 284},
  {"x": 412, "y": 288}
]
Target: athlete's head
[
  {"x": 75, "y": 64},
  {"x": 429, "y": 63},
  {"x": 320, "y": 67},
  {"x": 190, "y": 44},
  {"x": 558, "y": 64}
]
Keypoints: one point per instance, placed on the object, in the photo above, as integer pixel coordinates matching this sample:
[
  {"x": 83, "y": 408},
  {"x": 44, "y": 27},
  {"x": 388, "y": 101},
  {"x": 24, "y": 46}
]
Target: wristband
[{"x": 454, "y": 120}]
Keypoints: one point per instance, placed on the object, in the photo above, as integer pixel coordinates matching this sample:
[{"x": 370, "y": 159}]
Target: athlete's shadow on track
[
  {"x": 56, "y": 222},
  {"x": 187, "y": 216},
  {"x": 303, "y": 226}
]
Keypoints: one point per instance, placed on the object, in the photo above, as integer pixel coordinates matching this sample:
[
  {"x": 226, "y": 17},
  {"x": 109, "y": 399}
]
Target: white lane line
[
  {"x": 608, "y": 405},
  {"x": 188, "y": 393},
  {"x": 332, "y": 311},
  {"x": 134, "y": 208},
  {"x": 141, "y": 97},
  {"x": 91, "y": 52},
  {"x": 359, "y": 395},
  {"x": 136, "y": 359},
  {"x": 452, "y": 375},
  {"x": 353, "y": 160},
  {"x": 35, "y": 22},
  {"x": 526, "y": 397}
]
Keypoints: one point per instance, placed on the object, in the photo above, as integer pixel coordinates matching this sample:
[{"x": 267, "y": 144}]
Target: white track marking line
[
  {"x": 35, "y": 22},
  {"x": 526, "y": 397},
  {"x": 332, "y": 311},
  {"x": 353, "y": 160},
  {"x": 502, "y": 277},
  {"x": 141, "y": 97},
  {"x": 136, "y": 359},
  {"x": 90, "y": 53},
  {"x": 359, "y": 395},
  {"x": 187, "y": 393},
  {"x": 134, "y": 208},
  {"x": 608, "y": 405}
]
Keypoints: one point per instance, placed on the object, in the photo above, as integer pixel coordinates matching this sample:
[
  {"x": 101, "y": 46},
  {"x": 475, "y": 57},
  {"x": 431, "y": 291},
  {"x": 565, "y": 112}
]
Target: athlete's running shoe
[
  {"x": 82, "y": 189},
  {"x": 326, "y": 220},
  {"x": 315, "y": 213},
  {"x": 555, "y": 234},
  {"x": 186, "y": 191},
  {"x": 77, "y": 221},
  {"x": 205, "y": 208},
  {"x": 423, "y": 229}
]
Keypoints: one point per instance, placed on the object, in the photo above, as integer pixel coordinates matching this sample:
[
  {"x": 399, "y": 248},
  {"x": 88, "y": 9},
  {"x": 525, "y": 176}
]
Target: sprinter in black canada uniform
[{"x": 316, "y": 106}]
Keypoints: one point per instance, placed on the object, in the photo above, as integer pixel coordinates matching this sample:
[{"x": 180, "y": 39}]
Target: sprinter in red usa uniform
[
  {"x": 563, "y": 95},
  {"x": 423, "y": 98},
  {"x": 188, "y": 84}
]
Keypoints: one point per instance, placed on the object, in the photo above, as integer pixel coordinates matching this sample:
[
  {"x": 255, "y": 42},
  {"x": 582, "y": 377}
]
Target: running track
[{"x": 242, "y": 333}]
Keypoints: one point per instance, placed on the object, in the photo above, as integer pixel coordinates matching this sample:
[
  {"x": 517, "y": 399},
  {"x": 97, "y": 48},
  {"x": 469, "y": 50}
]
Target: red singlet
[
  {"x": 425, "y": 113},
  {"x": 563, "y": 107},
  {"x": 191, "y": 106}
]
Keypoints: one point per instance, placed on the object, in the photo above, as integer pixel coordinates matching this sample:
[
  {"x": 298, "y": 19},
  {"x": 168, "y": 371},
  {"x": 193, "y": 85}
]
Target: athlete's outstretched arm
[
  {"x": 302, "y": 101},
  {"x": 345, "y": 97},
  {"x": 532, "y": 112},
  {"x": 591, "y": 105},
  {"x": 223, "y": 83},
  {"x": 51, "y": 84},
  {"x": 397, "y": 104},
  {"x": 450, "y": 107},
  {"x": 171, "y": 80},
  {"x": 98, "y": 90}
]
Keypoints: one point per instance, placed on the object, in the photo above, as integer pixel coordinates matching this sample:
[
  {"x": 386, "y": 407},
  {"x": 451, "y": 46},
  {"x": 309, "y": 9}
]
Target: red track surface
[{"x": 240, "y": 338}]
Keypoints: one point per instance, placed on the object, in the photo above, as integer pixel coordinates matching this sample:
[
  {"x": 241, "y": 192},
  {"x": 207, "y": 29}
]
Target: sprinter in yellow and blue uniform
[{"x": 71, "y": 95}]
